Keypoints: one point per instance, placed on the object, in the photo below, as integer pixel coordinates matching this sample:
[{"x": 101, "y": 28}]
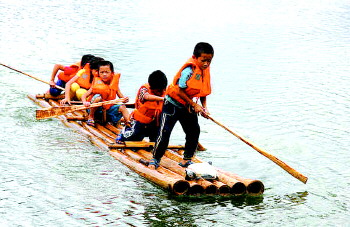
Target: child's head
[
  {"x": 203, "y": 54},
  {"x": 94, "y": 63},
  {"x": 157, "y": 82},
  {"x": 203, "y": 48},
  {"x": 86, "y": 59},
  {"x": 105, "y": 70}
]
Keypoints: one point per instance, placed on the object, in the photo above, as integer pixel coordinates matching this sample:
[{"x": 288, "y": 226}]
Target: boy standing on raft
[{"x": 192, "y": 80}]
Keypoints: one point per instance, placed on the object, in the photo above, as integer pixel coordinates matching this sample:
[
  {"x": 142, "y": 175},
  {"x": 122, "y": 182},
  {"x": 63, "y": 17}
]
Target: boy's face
[
  {"x": 105, "y": 73},
  {"x": 203, "y": 61}
]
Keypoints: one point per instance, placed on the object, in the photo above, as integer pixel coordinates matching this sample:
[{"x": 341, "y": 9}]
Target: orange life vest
[
  {"x": 66, "y": 75},
  {"x": 84, "y": 77},
  {"x": 147, "y": 111},
  {"x": 197, "y": 86},
  {"x": 107, "y": 91}
]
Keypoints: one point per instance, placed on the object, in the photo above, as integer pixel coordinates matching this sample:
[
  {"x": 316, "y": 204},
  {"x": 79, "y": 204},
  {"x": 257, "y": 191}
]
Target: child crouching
[{"x": 105, "y": 87}]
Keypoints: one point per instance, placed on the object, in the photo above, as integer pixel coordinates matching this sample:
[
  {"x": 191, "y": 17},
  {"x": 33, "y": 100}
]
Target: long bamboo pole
[
  {"x": 279, "y": 162},
  {"x": 36, "y": 78}
]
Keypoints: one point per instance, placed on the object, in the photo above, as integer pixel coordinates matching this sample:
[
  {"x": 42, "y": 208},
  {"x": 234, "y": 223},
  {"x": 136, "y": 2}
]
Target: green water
[{"x": 280, "y": 78}]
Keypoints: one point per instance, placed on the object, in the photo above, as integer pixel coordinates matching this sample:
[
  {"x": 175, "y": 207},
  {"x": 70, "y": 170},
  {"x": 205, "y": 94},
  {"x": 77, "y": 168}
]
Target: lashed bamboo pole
[
  {"x": 106, "y": 131},
  {"x": 194, "y": 189},
  {"x": 176, "y": 186},
  {"x": 97, "y": 133},
  {"x": 237, "y": 187},
  {"x": 168, "y": 163},
  {"x": 74, "y": 125},
  {"x": 141, "y": 144}
]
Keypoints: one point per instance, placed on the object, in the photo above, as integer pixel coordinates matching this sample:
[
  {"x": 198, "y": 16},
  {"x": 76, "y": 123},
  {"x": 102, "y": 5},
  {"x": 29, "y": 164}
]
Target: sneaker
[
  {"x": 186, "y": 164},
  {"x": 118, "y": 139},
  {"x": 154, "y": 162},
  {"x": 90, "y": 122}
]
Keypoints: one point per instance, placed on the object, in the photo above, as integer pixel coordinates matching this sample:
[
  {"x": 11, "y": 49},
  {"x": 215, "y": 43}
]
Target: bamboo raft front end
[{"x": 169, "y": 175}]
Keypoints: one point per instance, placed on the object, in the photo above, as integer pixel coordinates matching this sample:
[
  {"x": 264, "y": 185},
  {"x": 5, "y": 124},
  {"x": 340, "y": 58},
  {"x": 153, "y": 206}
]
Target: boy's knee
[{"x": 55, "y": 91}]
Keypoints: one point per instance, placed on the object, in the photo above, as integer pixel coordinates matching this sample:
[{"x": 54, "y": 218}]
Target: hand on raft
[{"x": 64, "y": 101}]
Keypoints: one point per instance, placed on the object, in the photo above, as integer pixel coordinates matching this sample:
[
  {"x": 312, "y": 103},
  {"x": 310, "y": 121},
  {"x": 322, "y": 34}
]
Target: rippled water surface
[{"x": 280, "y": 78}]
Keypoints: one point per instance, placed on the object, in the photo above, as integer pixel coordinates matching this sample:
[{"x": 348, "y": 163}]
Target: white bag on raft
[{"x": 201, "y": 170}]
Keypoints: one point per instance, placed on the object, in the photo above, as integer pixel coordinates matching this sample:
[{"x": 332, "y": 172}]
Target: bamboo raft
[{"x": 170, "y": 176}]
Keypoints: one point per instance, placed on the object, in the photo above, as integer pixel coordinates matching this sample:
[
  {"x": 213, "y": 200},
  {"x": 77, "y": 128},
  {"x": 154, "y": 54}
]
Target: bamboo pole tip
[
  {"x": 195, "y": 189},
  {"x": 238, "y": 188},
  {"x": 224, "y": 190},
  {"x": 304, "y": 180},
  {"x": 256, "y": 187},
  {"x": 211, "y": 189},
  {"x": 180, "y": 187}
]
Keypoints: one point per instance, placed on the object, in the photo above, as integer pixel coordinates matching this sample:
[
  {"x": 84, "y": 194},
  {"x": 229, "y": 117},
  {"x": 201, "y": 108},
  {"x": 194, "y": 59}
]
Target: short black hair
[
  {"x": 202, "y": 48},
  {"x": 94, "y": 62},
  {"x": 106, "y": 63},
  {"x": 157, "y": 80},
  {"x": 86, "y": 59}
]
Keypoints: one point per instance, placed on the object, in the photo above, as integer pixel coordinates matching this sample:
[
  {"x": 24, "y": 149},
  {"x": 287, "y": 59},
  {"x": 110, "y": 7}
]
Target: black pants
[
  {"x": 189, "y": 122},
  {"x": 139, "y": 131}
]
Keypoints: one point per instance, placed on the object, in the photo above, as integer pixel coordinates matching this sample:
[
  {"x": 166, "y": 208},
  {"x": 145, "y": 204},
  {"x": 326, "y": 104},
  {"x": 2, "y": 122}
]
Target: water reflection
[{"x": 266, "y": 203}]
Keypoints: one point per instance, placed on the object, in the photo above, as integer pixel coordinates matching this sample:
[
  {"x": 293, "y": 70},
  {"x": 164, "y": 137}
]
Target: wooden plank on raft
[{"x": 141, "y": 144}]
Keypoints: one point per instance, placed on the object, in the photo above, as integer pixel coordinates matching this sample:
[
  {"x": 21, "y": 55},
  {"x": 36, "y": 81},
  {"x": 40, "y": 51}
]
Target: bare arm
[
  {"x": 55, "y": 70},
  {"x": 67, "y": 90},
  {"x": 204, "y": 104},
  {"x": 85, "y": 95},
  {"x": 120, "y": 95},
  {"x": 150, "y": 97},
  {"x": 197, "y": 108}
]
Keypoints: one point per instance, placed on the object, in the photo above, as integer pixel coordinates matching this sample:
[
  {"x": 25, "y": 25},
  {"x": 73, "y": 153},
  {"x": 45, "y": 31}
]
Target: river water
[{"x": 280, "y": 78}]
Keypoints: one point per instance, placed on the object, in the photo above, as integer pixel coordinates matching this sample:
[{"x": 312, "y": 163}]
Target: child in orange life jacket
[
  {"x": 106, "y": 87},
  {"x": 192, "y": 81},
  {"x": 148, "y": 106},
  {"x": 81, "y": 82},
  {"x": 65, "y": 73}
]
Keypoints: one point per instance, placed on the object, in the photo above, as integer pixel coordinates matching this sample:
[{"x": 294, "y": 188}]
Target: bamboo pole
[
  {"x": 236, "y": 187},
  {"x": 178, "y": 187},
  {"x": 141, "y": 144},
  {"x": 195, "y": 188},
  {"x": 209, "y": 188},
  {"x": 279, "y": 162},
  {"x": 36, "y": 78}
]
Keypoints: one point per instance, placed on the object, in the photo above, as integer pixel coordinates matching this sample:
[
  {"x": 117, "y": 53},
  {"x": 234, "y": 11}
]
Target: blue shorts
[
  {"x": 113, "y": 114},
  {"x": 56, "y": 91}
]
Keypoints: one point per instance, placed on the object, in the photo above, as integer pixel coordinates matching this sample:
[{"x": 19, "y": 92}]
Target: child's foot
[
  {"x": 185, "y": 163},
  {"x": 153, "y": 164},
  {"x": 118, "y": 139},
  {"x": 90, "y": 122}
]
